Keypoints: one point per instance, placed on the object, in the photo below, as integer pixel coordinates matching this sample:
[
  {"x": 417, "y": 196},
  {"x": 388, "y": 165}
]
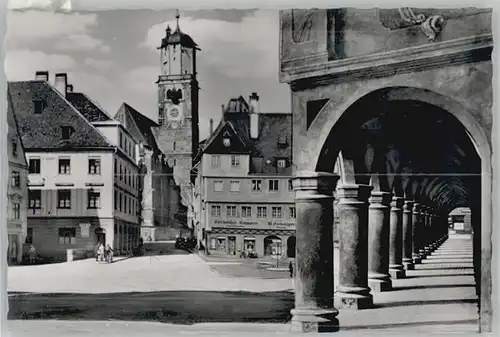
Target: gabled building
[
  {"x": 161, "y": 213},
  {"x": 243, "y": 190},
  {"x": 17, "y": 192},
  {"x": 83, "y": 186}
]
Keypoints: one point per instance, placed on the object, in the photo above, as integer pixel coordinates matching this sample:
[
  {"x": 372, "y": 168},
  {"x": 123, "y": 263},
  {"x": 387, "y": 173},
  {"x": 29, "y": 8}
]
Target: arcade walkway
[{"x": 438, "y": 296}]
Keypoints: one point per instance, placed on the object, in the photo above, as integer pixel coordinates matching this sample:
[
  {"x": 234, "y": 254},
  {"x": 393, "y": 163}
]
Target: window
[
  {"x": 67, "y": 236},
  {"x": 276, "y": 212},
  {"x": 231, "y": 211},
  {"x": 116, "y": 167},
  {"x": 35, "y": 199},
  {"x": 130, "y": 205},
  {"x": 121, "y": 140},
  {"x": 94, "y": 199},
  {"x": 281, "y": 163},
  {"x": 66, "y": 132},
  {"x": 121, "y": 173},
  {"x": 14, "y": 147},
  {"x": 34, "y": 166},
  {"x": 16, "y": 211},
  {"x": 16, "y": 179},
  {"x": 292, "y": 212},
  {"x": 282, "y": 142},
  {"x": 215, "y": 161},
  {"x": 261, "y": 212},
  {"x": 218, "y": 186},
  {"x": 273, "y": 185},
  {"x": 64, "y": 199},
  {"x": 94, "y": 166},
  {"x": 290, "y": 184},
  {"x": 246, "y": 211},
  {"x": 38, "y": 106},
  {"x": 64, "y": 166},
  {"x": 215, "y": 211},
  {"x": 256, "y": 185},
  {"x": 116, "y": 200},
  {"x": 124, "y": 203},
  {"x": 120, "y": 207},
  {"x": 173, "y": 146},
  {"x": 226, "y": 142},
  {"x": 235, "y": 161},
  {"x": 234, "y": 186}
]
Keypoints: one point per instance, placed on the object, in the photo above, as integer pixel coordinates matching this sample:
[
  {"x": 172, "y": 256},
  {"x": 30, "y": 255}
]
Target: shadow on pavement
[
  {"x": 177, "y": 307},
  {"x": 423, "y": 302},
  {"x": 407, "y": 324},
  {"x": 429, "y": 286}
]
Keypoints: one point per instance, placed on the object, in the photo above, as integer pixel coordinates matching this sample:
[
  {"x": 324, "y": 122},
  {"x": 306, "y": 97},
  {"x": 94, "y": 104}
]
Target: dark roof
[
  {"x": 140, "y": 126},
  {"x": 44, "y": 130},
  {"x": 274, "y": 141},
  {"x": 87, "y": 107},
  {"x": 178, "y": 37}
]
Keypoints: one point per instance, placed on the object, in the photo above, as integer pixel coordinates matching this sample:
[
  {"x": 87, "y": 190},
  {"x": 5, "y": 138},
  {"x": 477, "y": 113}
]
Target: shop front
[{"x": 250, "y": 243}]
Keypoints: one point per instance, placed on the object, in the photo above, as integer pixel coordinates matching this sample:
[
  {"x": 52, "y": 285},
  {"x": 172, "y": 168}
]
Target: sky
[{"x": 112, "y": 56}]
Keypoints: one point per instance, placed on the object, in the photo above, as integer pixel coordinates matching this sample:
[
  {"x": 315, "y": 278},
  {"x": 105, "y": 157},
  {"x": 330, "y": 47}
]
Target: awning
[
  {"x": 249, "y": 238},
  {"x": 221, "y": 237}
]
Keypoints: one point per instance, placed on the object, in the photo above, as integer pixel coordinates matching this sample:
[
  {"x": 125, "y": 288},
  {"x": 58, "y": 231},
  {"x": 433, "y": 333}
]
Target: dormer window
[
  {"x": 226, "y": 141},
  {"x": 282, "y": 142},
  {"x": 14, "y": 147},
  {"x": 281, "y": 163},
  {"x": 66, "y": 132},
  {"x": 38, "y": 106}
]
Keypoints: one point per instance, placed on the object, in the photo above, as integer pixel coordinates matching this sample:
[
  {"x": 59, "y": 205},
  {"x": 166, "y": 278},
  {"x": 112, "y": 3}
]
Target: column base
[
  {"x": 378, "y": 285},
  {"x": 408, "y": 264},
  {"x": 397, "y": 273},
  {"x": 417, "y": 260},
  {"x": 422, "y": 254},
  {"x": 314, "y": 320},
  {"x": 353, "y": 301}
]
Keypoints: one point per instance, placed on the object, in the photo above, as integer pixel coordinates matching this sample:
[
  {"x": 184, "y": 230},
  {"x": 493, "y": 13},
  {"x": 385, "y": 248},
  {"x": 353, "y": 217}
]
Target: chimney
[
  {"x": 69, "y": 88},
  {"x": 223, "y": 113},
  {"x": 61, "y": 83},
  {"x": 254, "y": 115},
  {"x": 254, "y": 103},
  {"x": 211, "y": 126},
  {"x": 42, "y": 76}
]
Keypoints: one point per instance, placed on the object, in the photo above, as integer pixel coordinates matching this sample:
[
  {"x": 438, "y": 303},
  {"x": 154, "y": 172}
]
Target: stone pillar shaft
[
  {"x": 353, "y": 291},
  {"x": 396, "y": 269},
  {"x": 416, "y": 233},
  {"x": 423, "y": 232},
  {"x": 314, "y": 284},
  {"x": 378, "y": 241},
  {"x": 408, "y": 235}
]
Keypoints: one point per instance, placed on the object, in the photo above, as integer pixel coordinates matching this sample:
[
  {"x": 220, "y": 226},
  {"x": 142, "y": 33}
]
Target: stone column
[
  {"x": 422, "y": 233},
  {"x": 416, "y": 225},
  {"x": 378, "y": 241},
  {"x": 314, "y": 284},
  {"x": 429, "y": 232},
  {"x": 396, "y": 269},
  {"x": 353, "y": 291},
  {"x": 408, "y": 235}
]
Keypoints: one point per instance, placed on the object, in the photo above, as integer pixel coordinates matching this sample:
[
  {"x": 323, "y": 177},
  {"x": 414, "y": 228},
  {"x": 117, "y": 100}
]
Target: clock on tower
[{"x": 178, "y": 101}]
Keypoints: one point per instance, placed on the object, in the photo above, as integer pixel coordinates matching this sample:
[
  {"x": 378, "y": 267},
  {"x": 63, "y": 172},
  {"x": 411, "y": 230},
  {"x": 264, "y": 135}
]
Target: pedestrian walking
[
  {"x": 32, "y": 254},
  {"x": 290, "y": 269}
]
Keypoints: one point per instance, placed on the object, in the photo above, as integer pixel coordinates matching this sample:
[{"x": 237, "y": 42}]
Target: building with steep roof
[
  {"x": 161, "y": 209},
  {"x": 243, "y": 188},
  {"x": 17, "y": 192},
  {"x": 83, "y": 174}
]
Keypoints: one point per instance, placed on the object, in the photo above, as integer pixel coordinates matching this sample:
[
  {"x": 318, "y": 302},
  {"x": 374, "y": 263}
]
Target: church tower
[{"x": 178, "y": 133}]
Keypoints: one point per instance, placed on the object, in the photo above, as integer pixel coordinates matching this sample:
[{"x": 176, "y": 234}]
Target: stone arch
[
  {"x": 324, "y": 142},
  {"x": 270, "y": 244}
]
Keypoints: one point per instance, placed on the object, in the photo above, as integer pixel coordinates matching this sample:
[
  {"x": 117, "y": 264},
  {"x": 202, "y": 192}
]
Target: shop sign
[
  {"x": 235, "y": 223},
  {"x": 276, "y": 224}
]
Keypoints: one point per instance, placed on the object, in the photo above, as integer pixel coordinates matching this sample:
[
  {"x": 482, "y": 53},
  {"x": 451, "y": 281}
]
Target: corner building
[{"x": 243, "y": 185}]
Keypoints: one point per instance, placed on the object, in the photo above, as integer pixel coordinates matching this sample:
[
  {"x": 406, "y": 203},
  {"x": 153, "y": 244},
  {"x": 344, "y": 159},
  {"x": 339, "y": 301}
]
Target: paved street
[{"x": 437, "y": 297}]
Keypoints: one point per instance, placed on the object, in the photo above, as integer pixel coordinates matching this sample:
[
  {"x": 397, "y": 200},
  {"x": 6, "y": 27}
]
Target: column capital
[
  {"x": 416, "y": 207},
  {"x": 353, "y": 193},
  {"x": 408, "y": 206},
  {"x": 314, "y": 185},
  {"x": 379, "y": 198},
  {"x": 397, "y": 203}
]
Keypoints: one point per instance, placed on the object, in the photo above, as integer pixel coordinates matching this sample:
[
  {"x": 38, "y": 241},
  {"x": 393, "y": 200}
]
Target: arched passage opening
[
  {"x": 410, "y": 151},
  {"x": 290, "y": 247},
  {"x": 272, "y": 245}
]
